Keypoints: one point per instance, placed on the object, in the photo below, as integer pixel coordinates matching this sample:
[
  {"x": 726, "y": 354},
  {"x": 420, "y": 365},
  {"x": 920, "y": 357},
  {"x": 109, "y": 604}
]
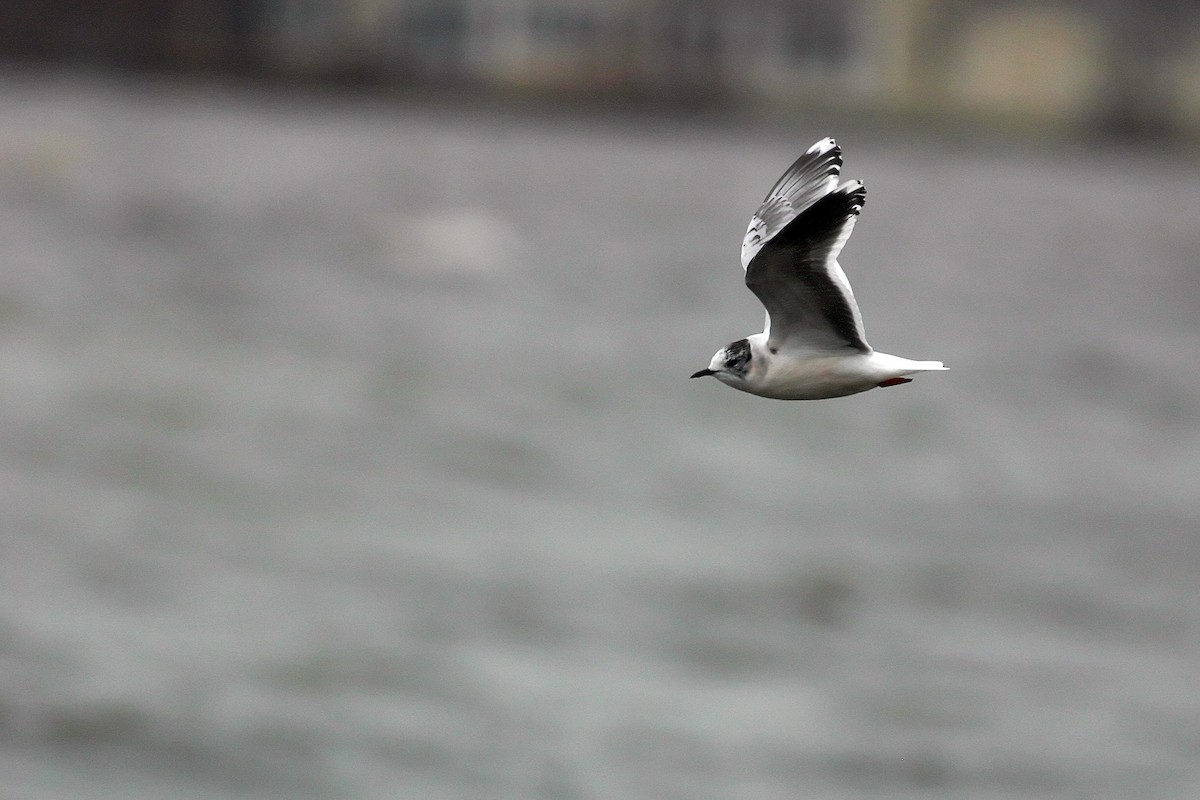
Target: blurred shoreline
[
  {"x": 975, "y": 133},
  {"x": 1085, "y": 70}
]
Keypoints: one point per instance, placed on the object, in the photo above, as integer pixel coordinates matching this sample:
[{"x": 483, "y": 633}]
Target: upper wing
[
  {"x": 814, "y": 175},
  {"x": 796, "y": 276}
]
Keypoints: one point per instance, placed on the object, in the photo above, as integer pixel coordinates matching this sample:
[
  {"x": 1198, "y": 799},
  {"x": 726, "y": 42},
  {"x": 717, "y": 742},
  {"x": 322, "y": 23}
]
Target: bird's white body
[
  {"x": 814, "y": 345},
  {"x": 817, "y": 376}
]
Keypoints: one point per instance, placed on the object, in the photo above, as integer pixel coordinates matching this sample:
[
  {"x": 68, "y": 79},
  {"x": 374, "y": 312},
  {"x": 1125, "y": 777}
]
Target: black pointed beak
[{"x": 704, "y": 372}]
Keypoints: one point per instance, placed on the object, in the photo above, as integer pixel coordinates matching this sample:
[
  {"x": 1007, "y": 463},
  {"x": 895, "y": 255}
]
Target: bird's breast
[{"x": 814, "y": 377}]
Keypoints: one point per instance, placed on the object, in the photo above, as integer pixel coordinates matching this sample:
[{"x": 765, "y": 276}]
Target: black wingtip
[
  {"x": 824, "y": 215},
  {"x": 856, "y": 195}
]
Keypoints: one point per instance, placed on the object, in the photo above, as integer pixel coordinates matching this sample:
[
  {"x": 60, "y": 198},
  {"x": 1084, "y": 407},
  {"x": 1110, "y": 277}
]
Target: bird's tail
[{"x": 925, "y": 366}]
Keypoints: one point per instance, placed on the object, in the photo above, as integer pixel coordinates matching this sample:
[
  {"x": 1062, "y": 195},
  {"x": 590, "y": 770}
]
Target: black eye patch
[{"x": 737, "y": 356}]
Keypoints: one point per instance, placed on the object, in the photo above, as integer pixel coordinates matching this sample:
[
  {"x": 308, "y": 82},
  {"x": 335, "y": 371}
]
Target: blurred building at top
[{"x": 1132, "y": 65}]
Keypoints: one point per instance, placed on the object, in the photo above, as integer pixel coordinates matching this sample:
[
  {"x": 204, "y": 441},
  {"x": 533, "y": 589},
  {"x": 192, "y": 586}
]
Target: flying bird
[{"x": 813, "y": 345}]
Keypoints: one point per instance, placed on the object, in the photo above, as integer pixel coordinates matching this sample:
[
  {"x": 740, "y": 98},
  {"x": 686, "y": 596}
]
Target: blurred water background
[{"x": 348, "y": 450}]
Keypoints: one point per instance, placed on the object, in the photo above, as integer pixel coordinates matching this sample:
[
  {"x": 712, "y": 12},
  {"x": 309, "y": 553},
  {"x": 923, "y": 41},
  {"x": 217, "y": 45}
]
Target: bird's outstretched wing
[
  {"x": 811, "y": 177},
  {"x": 794, "y": 269}
]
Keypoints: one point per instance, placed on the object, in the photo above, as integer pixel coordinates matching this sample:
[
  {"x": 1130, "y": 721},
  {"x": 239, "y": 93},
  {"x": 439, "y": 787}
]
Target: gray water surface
[{"x": 348, "y": 451}]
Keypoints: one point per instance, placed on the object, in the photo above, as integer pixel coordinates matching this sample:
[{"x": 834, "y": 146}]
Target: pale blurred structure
[{"x": 1123, "y": 66}]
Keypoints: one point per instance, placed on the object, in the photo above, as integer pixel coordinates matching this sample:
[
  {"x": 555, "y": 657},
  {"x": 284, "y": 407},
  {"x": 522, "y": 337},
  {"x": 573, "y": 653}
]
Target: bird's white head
[{"x": 732, "y": 364}]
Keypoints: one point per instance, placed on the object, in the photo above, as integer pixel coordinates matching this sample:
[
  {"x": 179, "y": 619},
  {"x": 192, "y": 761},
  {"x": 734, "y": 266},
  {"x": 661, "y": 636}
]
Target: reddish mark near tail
[{"x": 896, "y": 381}]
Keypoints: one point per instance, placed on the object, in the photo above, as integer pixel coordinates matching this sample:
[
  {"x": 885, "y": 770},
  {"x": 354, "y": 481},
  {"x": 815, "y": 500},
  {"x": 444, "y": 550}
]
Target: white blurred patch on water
[{"x": 464, "y": 242}]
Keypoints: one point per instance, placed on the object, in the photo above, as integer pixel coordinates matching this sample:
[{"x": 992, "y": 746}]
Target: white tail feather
[{"x": 926, "y": 366}]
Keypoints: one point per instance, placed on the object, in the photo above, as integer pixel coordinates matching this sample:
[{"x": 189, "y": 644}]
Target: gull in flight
[{"x": 813, "y": 346}]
